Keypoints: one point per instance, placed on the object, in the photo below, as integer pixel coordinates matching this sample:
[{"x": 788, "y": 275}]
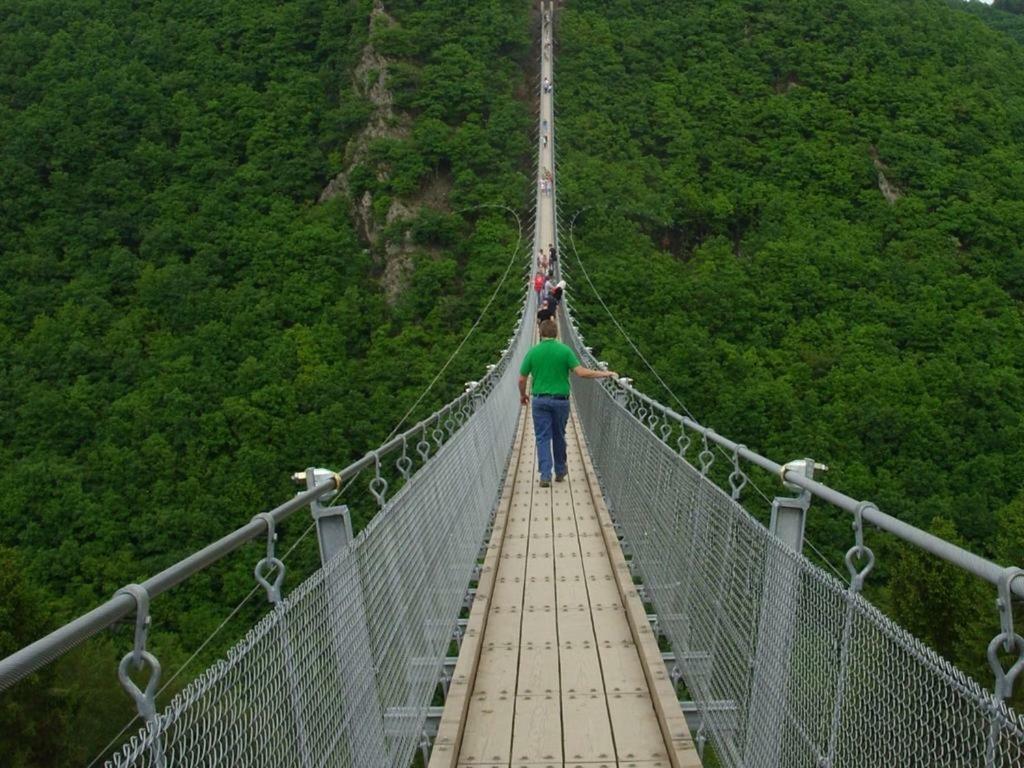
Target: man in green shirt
[{"x": 550, "y": 362}]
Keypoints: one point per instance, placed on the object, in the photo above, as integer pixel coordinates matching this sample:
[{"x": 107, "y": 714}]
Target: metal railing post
[
  {"x": 776, "y": 626},
  {"x": 350, "y": 635},
  {"x": 333, "y": 524},
  {"x": 789, "y": 515}
]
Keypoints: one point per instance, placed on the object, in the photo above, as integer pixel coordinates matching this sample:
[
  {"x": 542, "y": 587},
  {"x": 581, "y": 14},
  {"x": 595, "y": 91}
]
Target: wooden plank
[
  {"x": 488, "y": 734},
  {"x": 496, "y": 670},
  {"x": 610, "y": 623},
  {"x": 538, "y": 669},
  {"x": 635, "y": 725},
  {"x": 601, "y": 569},
  {"x": 575, "y": 623},
  {"x": 566, "y": 547},
  {"x": 592, "y": 544},
  {"x": 539, "y": 625},
  {"x": 507, "y": 591},
  {"x": 621, "y": 668},
  {"x": 503, "y": 628},
  {"x": 516, "y": 545},
  {"x": 588, "y": 735},
  {"x": 603, "y": 593},
  {"x": 539, "y": 592},
  {"x": 580, "y": 668},
  {"x": 538, "y": 729},
  {"x": 540, "y": 566},
  {"x": 571, "y": 591}
]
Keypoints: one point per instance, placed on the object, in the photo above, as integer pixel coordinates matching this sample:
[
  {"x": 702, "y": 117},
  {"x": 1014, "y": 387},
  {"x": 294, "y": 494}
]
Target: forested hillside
[
  {"x": 809, "y": 215},
  {"x": 1004, "y": 15},
  {"x": 237, "y": 239}
]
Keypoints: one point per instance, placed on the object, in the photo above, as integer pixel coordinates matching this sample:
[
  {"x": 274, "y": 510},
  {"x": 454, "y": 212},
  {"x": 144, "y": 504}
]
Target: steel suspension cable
[{"x": 483, "y": 313}]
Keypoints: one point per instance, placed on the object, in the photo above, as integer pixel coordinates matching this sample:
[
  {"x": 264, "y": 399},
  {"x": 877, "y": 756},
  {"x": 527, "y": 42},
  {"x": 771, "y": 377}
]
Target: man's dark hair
[{"x": 549, "y": 329}]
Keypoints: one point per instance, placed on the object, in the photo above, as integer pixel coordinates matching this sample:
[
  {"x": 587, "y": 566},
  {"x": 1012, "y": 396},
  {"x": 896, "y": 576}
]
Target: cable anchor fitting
[
  {"x": 706, "y": 457},
  {"x": 438, "y": 433},
  {"x": 858, "y": 550},
  {"x": 423, "y": 445},
  {"x": 683, "y": 443},
  {"x": 805, "y": 467},
  {"x": 1008, "y": 638},
  {"x": 378, "y": 485},
  {"x": 264, "y": 566},
  {"x": 139, "y": 657},
  {"x": 403, "y": 463},
  {"x": 665, "y": 430},
  {"x": 737, "y": 478}
]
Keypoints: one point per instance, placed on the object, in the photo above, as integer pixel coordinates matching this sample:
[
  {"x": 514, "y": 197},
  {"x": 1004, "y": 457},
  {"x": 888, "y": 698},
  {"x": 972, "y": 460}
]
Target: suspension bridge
[{"x": 573, "y": 591}]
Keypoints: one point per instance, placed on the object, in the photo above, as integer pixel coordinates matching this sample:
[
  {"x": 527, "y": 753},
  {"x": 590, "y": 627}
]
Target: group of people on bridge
[
  {"x": 549, "y": 363},
  {"x": 547, "y": 179},
  {"x": 549, "y": 293}
]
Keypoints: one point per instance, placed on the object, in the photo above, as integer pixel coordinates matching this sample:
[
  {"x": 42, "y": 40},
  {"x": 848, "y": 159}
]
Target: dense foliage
[
  {"x": 732, "y": 157},
  {"x": 807, "y": 214},
  {"x": 183, "y": 324},
  {"x": 1004, "y": 15}
]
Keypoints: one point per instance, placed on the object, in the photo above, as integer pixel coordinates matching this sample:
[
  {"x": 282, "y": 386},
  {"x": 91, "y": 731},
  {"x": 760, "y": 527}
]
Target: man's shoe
[
  {"x": 545, "y": 483},
  {"x": 559, "y": 478}
]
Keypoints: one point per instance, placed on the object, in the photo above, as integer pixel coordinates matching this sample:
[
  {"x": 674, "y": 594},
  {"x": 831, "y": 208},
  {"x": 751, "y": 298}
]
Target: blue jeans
[{"x": 549, "y": 420}]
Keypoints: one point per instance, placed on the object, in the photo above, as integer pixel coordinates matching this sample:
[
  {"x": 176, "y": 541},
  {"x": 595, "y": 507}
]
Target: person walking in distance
[
  {"x": 549, "y": 363},
  {"x": 556, "y": 293},
  {"x": 547, "y": 309}
]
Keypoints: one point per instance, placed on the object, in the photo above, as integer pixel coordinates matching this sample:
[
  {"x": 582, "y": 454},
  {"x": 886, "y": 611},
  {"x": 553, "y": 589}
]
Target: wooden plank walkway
[{"x": 559, "y": 666}]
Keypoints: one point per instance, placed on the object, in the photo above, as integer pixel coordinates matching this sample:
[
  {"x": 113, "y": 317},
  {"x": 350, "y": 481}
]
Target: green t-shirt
[{"x": 549, "y": 362}]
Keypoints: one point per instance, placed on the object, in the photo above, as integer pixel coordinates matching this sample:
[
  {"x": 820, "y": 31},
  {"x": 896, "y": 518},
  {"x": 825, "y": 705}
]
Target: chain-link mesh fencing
[
  {"x": 342, "y": 672},
  {"x": 788, "y": 667}
]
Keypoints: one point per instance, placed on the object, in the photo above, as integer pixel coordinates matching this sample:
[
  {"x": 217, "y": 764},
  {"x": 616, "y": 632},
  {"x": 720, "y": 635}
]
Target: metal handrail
[
  {"x": 54, "y": 645},
  {"x": 941, "y": 548}
]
